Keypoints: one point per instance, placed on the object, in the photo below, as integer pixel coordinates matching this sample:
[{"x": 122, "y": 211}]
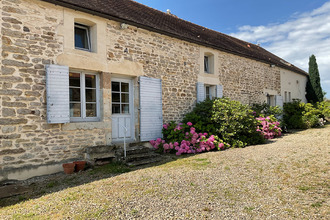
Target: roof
[{"x": 139, "y": 15}]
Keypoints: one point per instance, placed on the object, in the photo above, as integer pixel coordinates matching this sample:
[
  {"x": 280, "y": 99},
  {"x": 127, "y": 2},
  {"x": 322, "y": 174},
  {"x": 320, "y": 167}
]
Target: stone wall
[
  {"x": 29, "y": 42},
  {"x": 34, "y": 34}
]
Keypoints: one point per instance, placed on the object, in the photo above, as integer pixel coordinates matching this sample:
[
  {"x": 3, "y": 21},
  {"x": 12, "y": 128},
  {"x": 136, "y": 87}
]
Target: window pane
[
  {"x": 115, "y": 86},
  {"x": 75, "y": 110},
  {"x": 75, "y": 94},
  {"x": 125, "y": 98},
  {"x": 80, "y": 37},
  {"x": 125, "y": 109},
  {"x": 90, "y": 81},
  {"x": 74, "y": 79},
  {"x": 115, "y": 97},
  {"x": 115, "y": 108},
  {"x": 90, "y": 95},
  {"x": 207, "y": 88},
  {"x": 124, "y": 87},
  {"x": 90, "y": 110},
  {"x": 206, "y": 64}
]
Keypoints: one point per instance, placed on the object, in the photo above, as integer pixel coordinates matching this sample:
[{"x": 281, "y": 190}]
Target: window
[
  {"x": 285, "y": 96},
  {"x": 84, "y": 93},
  {"x": 120, "y": 97},
  {"x": 289, "y": 96},
  {"x": 210, "y": 92},
  {"x": 271, "y": 100},
  {"x": 208, "y": 63},
  {"x": 82, "y": 37}
]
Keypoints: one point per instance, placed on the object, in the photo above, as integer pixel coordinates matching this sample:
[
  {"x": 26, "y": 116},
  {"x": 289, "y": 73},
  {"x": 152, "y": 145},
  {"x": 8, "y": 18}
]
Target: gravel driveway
[{"x": 288, "y": 178}]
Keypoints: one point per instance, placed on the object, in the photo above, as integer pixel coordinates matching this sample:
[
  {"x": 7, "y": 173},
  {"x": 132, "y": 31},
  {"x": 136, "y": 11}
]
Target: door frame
[{"x": 130, "y": 81}]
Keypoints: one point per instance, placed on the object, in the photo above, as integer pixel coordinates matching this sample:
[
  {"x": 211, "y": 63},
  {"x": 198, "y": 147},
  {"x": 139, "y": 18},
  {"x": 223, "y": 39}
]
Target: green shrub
[
  {"x": 201, "y": 117},
  {"x": 235, "y": 123},
  {"x": 264, "y": 110},
  {"x": 299, "y": 115},
  {"x": 324, "y": 108}
]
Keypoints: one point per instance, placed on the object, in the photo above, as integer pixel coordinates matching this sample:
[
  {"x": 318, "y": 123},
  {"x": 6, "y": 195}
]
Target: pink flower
[
  {"x": 189, "y": 124},
  {"x": 165, "y": 126}
]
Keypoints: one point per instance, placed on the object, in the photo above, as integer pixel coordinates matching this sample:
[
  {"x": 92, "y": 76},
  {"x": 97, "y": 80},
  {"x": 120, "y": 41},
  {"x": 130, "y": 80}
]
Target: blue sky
[{"x": 292, "y": 29}]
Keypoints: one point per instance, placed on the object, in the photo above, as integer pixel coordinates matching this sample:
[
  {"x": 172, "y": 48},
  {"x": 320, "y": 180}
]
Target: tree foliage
[{"x": 314, "y": 91}]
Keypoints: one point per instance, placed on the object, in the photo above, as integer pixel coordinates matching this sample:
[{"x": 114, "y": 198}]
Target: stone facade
[{"x": 35, "y": 33}]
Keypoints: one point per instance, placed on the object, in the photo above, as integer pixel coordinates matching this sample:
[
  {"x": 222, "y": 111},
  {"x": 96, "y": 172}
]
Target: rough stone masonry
[{"x": 31, "y": 38}]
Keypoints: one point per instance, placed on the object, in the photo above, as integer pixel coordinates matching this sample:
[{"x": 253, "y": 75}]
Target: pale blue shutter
[
  {"x": 151, "y": 108},
  {"x": 200, "y": 92},
  {"x": 279, "y": 101},
  {"x": 219, "y": 91},
  {"x": 57, "y": 87}
]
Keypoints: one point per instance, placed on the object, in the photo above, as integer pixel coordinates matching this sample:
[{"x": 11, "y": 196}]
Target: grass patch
[{"x": 317, "y": 204}]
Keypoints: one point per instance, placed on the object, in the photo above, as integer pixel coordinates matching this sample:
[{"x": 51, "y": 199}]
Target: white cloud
[{"x": 297, "y": 39}]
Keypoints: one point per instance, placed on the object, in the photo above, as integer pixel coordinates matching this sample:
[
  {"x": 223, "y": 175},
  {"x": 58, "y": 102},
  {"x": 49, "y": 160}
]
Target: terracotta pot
[
  {"x": 80, "y": 165},
  {"x": 68, "y": 168}
]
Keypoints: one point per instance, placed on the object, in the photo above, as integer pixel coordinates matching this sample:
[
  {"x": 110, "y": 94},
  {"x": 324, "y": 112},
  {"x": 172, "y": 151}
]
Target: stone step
[
  {"x": 137, "y": 150},
  {"x": 141, "y": 156},
  {"x": 144, "y": 161}
]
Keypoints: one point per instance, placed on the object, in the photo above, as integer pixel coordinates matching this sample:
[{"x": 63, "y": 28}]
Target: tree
[{"x": 314, "y": 91}]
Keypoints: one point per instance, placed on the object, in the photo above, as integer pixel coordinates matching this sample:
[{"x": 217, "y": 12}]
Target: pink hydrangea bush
[
  {"x": 183, "y": 139},
  {"x": 269, "y": 127}
]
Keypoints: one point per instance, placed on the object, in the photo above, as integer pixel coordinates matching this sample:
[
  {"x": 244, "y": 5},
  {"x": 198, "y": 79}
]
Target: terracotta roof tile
[{"x": 143, "y": 16}]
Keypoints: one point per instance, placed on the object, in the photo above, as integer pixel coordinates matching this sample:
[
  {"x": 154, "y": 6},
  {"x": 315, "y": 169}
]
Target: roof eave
[{"x": 139, "y": 25}]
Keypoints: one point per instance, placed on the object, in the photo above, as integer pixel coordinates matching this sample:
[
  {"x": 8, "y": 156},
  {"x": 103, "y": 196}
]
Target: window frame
[
  {"x": 120, "y": 92},
  {"x": 87, "y": 28},
  {"x": 208, "y": 63},
  {"x": 83, "y": 101}
]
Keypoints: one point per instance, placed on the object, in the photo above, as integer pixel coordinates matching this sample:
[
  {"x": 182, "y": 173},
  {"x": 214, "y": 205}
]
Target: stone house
[{"x": 77, "y": 73}]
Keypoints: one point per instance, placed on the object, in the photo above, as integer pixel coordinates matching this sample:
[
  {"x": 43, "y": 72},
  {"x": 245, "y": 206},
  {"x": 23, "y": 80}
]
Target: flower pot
[
  {"x": 68, "y": 168},
  {"x": 80, "y": 165}
]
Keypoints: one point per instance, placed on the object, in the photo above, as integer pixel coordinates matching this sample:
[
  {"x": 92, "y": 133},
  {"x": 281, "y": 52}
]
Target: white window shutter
[
  {"x": 151, "y": 108},
  {"x": 279, "y": 101},
  {"x": 57, "y": 87},
  {"x": 219, "y": 91},
  {"x": 200, "y": 92}
]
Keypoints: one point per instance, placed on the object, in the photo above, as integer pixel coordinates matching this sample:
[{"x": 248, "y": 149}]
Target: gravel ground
[{"x": 288, "y": 178}]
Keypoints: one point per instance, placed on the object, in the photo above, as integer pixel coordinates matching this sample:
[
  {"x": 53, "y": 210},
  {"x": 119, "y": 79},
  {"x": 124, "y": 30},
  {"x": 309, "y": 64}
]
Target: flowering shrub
[
  {"x": 183, "y": 138},
  {"x": 269, "y": 127}
]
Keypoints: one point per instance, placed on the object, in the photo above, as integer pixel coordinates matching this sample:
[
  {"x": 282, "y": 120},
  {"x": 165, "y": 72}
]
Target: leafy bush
[
  {"x": 235, "y": 123},
  {"x": 201, "y": 117},
  {"x": 324, "y": 108},
  {"x": 299, "y": 115},
  {"x": 266, "y": 110}
]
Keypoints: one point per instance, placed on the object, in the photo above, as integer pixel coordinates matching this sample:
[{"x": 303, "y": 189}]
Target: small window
[
  {"x": 84, "y": 93},
  {"x": 206, "y": 64},
  {"x": 82, "y": 37},
  {"x": 210, "y": 92},
  {"x": 289, "y": 96},
  {"x": 285, "y": 96},
  {"x": 120, "y": 97}
]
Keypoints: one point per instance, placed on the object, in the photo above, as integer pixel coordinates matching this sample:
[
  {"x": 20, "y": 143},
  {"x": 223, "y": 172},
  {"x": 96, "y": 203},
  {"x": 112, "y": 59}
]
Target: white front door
[{"x": 122, "y": 109}]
